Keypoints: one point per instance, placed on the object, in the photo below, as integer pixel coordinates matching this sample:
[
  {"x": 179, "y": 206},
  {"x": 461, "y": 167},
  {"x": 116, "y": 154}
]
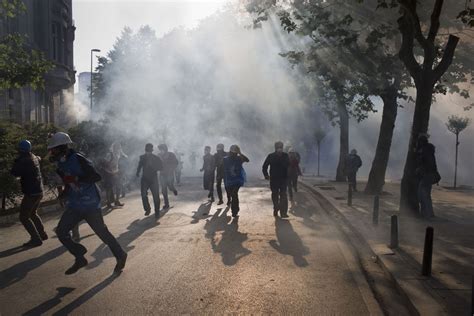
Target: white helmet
[{"x": 59, "y": 139}]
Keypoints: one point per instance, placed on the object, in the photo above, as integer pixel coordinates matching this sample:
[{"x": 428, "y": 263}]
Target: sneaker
[
  {"x": 212, "y": 199},
  {"x": 284, "y": 216},
  {"x": 166, "y": 207},
  {"x": 175, "y": 192},
  {"x": 118, "y": 203},
  {"x": 44, "y": 236},
  {"x": 120, "y": 264},
  {"x": 235, "y": 215},
  {"x": 33, "y": 243},
  {"x": 80, "y": 262},
  {"x": 147, "y": 212},
  {"x": 220, "y": 202},
  {"x": 275, "y": 212}
]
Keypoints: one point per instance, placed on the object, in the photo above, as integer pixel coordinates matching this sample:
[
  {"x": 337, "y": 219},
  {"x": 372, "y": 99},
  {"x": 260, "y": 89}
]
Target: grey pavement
[
  {"x": 449, "y": 289},
  {"x": 196, "y": 259}
]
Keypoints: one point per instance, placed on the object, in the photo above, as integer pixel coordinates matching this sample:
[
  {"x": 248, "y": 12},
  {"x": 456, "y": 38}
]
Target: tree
[
  {"x": 456, "y": 125},
  {"x": 328, "y": 58},
  {"x": 19, "y": 65},
  {"x": 426, "y": 75},
  {"x": 319, "y": 135}
]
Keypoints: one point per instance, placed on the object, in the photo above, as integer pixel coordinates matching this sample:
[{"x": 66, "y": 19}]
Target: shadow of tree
[
  {"x": 289, "y": 243},
  {"x": 51, "y": 303}
]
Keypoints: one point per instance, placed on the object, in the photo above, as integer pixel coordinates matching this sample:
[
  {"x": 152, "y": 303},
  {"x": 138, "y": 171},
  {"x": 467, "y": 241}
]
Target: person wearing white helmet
[
  {"x": 27, "y": 168},
  {"x": 82, "y": 202}
]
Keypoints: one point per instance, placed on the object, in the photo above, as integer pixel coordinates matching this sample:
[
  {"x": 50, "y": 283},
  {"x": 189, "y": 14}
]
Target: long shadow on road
[
  {"x": 20, "y": 270},
  {"x": 66, "y": 310},
  {"x": 134, "y": 230},
  {"x": 289, "y": 243},
  {"x": 51, "y": 303},
  {"x": 230, "y": 245}
]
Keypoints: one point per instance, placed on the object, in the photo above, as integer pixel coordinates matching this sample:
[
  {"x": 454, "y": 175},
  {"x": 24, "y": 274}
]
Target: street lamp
[{"x": 92, "y": 61}]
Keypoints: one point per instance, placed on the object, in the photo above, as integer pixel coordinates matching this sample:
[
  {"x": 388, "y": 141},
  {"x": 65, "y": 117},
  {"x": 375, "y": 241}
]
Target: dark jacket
[
  {"x": 170, "y": 163},
  {"x": 279, "y": 164},
  {"x": 426, "y": 161},
  {"x": 294, "y": 169},
  {"x": 209, "y": 164},
  {"x": 219, "y": 160},
  {"x": 353, "y": 163},
  {"x": 27, "y": 167},
  {"x": 150, "y": 164}
]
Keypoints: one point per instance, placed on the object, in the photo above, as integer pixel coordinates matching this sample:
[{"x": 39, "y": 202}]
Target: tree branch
[
  {"x": 406, "y": 48},
  {"x": 434, "y": 27},
  {"x": 447, "y": 57}
]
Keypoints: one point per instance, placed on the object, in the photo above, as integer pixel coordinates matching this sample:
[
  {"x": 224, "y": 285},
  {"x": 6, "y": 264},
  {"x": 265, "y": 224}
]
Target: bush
[{"x": 10, "y": 136}]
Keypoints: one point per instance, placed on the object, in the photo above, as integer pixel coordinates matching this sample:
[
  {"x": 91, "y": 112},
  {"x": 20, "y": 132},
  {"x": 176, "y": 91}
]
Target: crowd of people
[{"x": 81, "y": 196}]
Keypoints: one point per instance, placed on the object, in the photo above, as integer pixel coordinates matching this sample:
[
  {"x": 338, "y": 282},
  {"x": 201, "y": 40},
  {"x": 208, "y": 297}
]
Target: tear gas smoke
[{"x": 224, "y": 83}]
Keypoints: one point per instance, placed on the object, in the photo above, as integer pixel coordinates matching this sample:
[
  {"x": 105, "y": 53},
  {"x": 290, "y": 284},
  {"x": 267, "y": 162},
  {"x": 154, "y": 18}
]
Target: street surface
[{"x": 196, "y": 259}]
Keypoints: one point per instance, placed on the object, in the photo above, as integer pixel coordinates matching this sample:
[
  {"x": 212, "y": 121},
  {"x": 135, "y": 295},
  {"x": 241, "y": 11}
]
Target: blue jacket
[
  {"x": 234, "y": 173},
  {"x": 82, "y": 194}
]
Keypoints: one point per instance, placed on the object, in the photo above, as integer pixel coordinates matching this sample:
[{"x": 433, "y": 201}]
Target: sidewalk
[{"x": 448, "y": 291}]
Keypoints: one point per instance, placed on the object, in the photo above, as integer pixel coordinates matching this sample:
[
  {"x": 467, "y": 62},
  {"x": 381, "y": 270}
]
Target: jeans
[
  {"x": 292, "y": 185},
  {"x": 153, "y": 185},
  {"x": 94, "y": 218},
  {"x": 233, "y": 193},
  {"x": 279, "y": 197},
  {"x": 424, "y": 196},
  {"x": 167, "y": 182},
  {"x": 29, "y": 216}
]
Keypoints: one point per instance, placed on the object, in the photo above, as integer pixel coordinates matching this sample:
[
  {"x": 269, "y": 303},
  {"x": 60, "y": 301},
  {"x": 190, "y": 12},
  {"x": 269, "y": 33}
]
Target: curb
[{"x": 402, "y": 287}]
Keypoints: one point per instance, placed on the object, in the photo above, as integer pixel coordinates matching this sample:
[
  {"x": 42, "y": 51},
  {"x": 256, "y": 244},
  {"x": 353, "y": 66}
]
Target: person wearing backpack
[
  {"x": 234, "y": 177},
  {"x": 27, "y": 168},
  {"x": 427, "y": 173},
  {"x": 82, "y": 202},
  {"x": 150, "y": 164}
]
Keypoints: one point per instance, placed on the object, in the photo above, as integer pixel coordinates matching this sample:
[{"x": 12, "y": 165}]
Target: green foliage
[
  {"x": 92, "y": 138},
  {"x": 10, "y": 135},
  {"x": 457, "y": 124},
  {"x": 19, "y": 65}
]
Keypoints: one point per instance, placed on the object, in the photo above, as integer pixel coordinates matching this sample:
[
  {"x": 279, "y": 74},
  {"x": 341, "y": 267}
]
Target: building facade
[{"x": 49, "y": 27}]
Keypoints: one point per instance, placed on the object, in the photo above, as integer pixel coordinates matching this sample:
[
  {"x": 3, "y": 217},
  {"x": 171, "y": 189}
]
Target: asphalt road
[{"x": 196, "y": 259}]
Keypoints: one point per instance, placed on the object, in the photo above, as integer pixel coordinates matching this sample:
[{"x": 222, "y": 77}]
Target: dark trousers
[
  {"x": 233, "y": 194},
  {"x": 424, "y": 196},
  {"x": 112, "y": 187},
  {"x": 95, "y": 220},
  {"x": 29, "y": 216},
  {"x": 167, "y": 182},
  {"x": 219, "y": 179},
  {"x": 279, "y": 197},
  {"x": 352, "y": 179},
  {"x": 292, "y": 185},
  {"x": 153, "y": 185}
]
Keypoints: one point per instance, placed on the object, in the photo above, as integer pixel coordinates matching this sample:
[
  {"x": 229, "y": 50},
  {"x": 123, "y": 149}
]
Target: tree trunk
[
  {"x": 456, "y": 161},
  {"x": 382, "y": 152},
  {"x": 409, "y": 186},
  {"x": 343, "y": 141},
  {"x": 319, "y": 155}
]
